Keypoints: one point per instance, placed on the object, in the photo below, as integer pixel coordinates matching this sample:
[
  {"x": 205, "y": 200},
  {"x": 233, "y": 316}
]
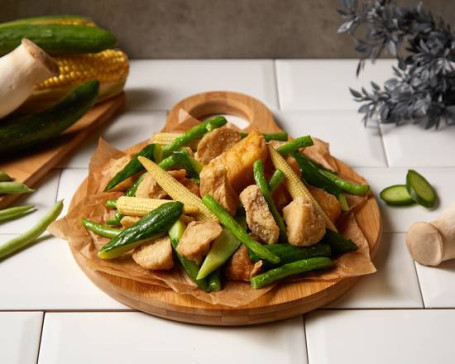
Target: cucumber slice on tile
[
  {"x": 420, "y": 189},
  {"x": 396, "y": 195}
]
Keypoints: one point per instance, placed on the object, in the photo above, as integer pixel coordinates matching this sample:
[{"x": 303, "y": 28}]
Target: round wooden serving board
[{"x": 283, "y": 301}]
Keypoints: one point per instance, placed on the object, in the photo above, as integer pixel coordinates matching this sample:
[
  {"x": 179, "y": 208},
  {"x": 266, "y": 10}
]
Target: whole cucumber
[
  {"x": 20, "y": 134},
  {"x": 57, "y": 39}
]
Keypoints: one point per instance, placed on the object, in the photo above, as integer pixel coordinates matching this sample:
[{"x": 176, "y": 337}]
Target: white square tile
[
  {"x": 46, "y": 277},
  {"x": 125, "y": 130},
  {"x": 412, "y": 145},
  {"x": 380, "y": 336},
  {"x": 70, "y": 180},
  {"x": 394, "y": 284},
  {"x": 160, "y": 84},
  {"x": 322, "y": 84},
  {"x": 138, "y": 338},
  {"x": 43, "y": 198},
  {"x": 398, "y": 219},
  {"x": 19, "y": 337},
  {"x": 349, "y": 139},
  {"x": 438, "y": 284}
]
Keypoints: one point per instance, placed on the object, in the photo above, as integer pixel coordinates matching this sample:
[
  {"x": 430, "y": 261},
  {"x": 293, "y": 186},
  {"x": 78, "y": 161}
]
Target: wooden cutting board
[
  {"x": 283, "y": 301},
  {"x": 30, "y": 167}
]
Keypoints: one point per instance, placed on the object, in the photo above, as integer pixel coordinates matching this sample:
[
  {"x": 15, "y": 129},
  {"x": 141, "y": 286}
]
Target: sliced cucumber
[
  {"x": 420, "y": 189},
  {"x": 396, "y": 195}
]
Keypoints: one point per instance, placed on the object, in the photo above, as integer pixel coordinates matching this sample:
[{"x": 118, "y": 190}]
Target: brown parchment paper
[{"x": 89, "y": 203}]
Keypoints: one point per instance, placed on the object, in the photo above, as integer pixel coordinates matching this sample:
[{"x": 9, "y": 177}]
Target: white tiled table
[{"x": 405, "y": 313}]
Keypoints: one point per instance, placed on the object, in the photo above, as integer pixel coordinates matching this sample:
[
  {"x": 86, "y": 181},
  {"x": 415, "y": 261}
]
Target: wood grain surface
[
  {"x": 283, "y": 301},
  {"x": 30, "y": 167}
]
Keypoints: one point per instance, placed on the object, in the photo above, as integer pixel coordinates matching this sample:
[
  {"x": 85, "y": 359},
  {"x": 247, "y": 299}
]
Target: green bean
[
  {"x": 295, "y": 145},
  {"x": 31, "y": 235},
  {"x": 229, "y": 223},
  {"x": 280, "y": 136},
  {"x": 312, "y": 175},
  {"x": 4, "y": 177},
  {"x": 111, "y": 203},
  {"x": 338, "y": 243},
  {"x": 183, "y": 159},
  {"x": 259, "y": 177},
  {"x": 99, "y": 229},
  {"x": 276, "y": 179},
  {"x": 116, "y": 220},
  {"x": 131, "y": 192},
  {"x": 214, "y": 281},
  {"x": 346, "y": 186},
  {"x": 167, "y": 163},
  {"x": 133, "y": 166},
  {"x": 191, "y": 268},
  {"x": 289, "y": 253},
  {"x": 195, "y": 132},
  {"x": 14, "y": 187},
  {"x": 290, "y": 269},
  {"x": 14, "y": 212}
]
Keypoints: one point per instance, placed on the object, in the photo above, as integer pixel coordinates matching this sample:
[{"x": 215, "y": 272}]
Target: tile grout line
[
  {"x": 277, "y": 88},
  {"x": 386, "y": 157},
  {"x": 58, "y": 184},
  {"x": 306, "y": 340},
  {"x": 40, "y": 337},
  {"x": 420, "y": 286}
]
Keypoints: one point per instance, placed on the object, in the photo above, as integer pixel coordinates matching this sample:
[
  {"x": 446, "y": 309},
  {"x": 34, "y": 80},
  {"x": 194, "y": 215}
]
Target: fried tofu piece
[
  {"x": 258, "y": 216},
  {"x": 156, "y": 255},
  {"x": 215, "y": 182},
  {"x": 195, "y": 241},
  {"x": 239, "y": 159},
  {"x": 215, "y": 143},
  {"x": 305, "y": 225},
  {"x": 240, "y": 267},
  {"x": 148, "y": 188},
  {"x": 328, "y": 202},
  {"x": 128, "y": 221}
]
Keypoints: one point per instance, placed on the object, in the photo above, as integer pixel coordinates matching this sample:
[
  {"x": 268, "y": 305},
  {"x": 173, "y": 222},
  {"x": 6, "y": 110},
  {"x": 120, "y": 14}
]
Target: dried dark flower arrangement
[{"x": 423, "y": 87}]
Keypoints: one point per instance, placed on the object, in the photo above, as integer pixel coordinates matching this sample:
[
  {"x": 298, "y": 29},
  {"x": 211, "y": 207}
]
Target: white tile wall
[
  {"x": 394, "y": 284},
  {"x": 70, "y": 180},
  {"x": 361, "y": 147},
  {"x": 412, "y": 145},
  {"x": 159, "y": 84},
  {"x": 324, "y": 84},
  {"x": 135, "y": 337},
  {"x": 19, "y": 337},
  {"x": 46, "y": 277},
  {"x": 380, "y": 336},
  {"x": 438, "y": 284}
]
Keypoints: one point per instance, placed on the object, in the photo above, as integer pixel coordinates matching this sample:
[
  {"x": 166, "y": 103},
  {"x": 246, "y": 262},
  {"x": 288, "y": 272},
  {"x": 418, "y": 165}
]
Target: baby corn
[
  {"x": 294, "y": 185},
  {"x": 135, "y": 206}
]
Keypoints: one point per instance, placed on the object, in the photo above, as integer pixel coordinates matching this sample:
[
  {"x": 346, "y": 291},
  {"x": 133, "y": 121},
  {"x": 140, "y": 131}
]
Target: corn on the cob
[
  {"x": 168, "y": 138},
  {"x": 136, "y": 206},
  {"x": 109, "y": 66},
  {"x": 176, "y": 190},
  {"x": 294, "y": 185},
  {"x": 53, "y": 19}
]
